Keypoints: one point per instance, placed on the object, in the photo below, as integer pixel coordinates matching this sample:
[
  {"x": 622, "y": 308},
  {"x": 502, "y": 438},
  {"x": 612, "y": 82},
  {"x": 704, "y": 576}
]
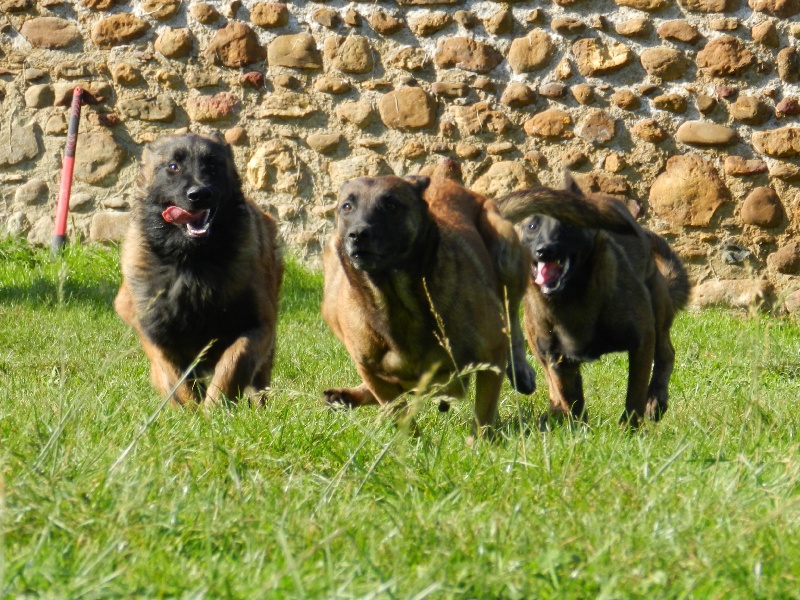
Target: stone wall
[{"x": 686, "y": 110}]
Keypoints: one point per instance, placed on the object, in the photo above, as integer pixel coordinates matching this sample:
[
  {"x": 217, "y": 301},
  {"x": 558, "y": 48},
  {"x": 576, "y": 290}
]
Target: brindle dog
[
  {"x": 420, "y": 277},
  {"x": 200, "y": 269},
  {"x": 593, "y": 291}
]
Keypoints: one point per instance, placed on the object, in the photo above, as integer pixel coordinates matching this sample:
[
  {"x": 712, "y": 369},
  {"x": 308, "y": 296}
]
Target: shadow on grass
[{"x": 42, "y": 292}]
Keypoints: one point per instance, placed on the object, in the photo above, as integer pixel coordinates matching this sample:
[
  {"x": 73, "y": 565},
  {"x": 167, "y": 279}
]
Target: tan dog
[
  {"x": 421, "y": 277},
  {"x": 200, "y": 266},
  {"x": 599, "y": 283}
]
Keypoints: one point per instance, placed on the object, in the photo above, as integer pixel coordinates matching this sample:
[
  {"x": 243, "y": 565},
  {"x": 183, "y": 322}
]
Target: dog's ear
[
  {"x": 419, "y": 182},
  {"x": 570, "y": 185},
  {"x": 216, "y": 136}
]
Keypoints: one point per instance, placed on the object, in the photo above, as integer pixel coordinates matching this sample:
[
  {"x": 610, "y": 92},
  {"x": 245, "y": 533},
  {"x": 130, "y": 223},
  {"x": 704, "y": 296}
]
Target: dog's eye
[
  {"x": 173, "y": 167},
  {"x": 346, "y": 207},
  {"x": 391, "y": 205},
  {"x": 533, "y": 225}
]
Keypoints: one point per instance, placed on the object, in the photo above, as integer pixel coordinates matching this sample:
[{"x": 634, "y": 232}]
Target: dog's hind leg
[
  {"x": 350, "y": 397},
  {"x": 372, "y": 391}
]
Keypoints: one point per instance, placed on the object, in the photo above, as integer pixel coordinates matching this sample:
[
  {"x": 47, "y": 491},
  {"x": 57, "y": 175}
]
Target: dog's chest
[
  {"x": 585, "y": 339},
  {"x": 188, "y": 311}
]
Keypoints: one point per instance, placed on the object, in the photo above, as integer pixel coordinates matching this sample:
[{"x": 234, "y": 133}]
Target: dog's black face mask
[
  {"x": 191, "y": 182},
  {"x": 557, "y": 249},
  {"x": 381, "y": 221}
]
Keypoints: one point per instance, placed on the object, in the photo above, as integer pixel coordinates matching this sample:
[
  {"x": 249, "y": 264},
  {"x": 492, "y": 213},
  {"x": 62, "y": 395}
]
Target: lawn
[{"x": 102, "y": 494}]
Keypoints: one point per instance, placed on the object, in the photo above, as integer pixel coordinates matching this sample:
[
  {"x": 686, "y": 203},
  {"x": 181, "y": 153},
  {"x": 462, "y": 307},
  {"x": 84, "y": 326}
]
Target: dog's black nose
[
  {"x": 358, "y": 234},
  {"x": 198, "y": 194},
  {"x": 544, "y": 253}
]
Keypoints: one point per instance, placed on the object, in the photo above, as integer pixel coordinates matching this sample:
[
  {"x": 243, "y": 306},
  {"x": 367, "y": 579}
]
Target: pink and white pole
[{"x": 67, "y": 166}]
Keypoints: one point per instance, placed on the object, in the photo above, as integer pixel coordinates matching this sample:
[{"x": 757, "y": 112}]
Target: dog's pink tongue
[
  {"x": 175, "y": 214},
  {"x": 547, "y": 272}
]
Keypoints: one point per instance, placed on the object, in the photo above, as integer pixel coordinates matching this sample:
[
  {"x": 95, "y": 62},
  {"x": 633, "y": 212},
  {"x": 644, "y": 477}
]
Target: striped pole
[{"x": 67, "y": 166}]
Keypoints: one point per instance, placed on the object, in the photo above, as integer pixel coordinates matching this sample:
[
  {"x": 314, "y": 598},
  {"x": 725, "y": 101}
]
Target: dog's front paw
[
  {"x": 630, "y": 419},
  {"x": 522, "y": 378},
  {"x": 656, "y": 407}
]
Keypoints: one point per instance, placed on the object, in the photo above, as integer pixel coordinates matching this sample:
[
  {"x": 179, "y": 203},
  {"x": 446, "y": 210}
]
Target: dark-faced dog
[
  {"x": 593, "y": 291},
  {"x": 420, "y": 276},
  {"x": 200, "y": 269}
]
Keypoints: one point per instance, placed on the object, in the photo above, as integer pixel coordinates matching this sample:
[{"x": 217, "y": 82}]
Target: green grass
[{"x": 296, "y": 501}]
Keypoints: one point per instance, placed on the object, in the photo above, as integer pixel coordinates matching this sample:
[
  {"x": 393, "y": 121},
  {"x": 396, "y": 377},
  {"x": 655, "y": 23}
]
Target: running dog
[
  {"x": 599, "y": 283},
  {"x": 201, "y": 274}
]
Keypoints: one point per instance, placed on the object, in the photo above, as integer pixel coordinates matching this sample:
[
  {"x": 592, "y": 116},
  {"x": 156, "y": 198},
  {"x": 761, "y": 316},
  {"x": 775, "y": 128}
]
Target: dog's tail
[
  {"x": 597, "y": 212},
  {"x": 671, "y": 267}
]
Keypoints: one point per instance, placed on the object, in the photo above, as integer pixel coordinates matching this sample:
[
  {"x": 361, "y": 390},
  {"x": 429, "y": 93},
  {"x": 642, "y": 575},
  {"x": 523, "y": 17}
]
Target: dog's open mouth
[
  {"x": 196, "y": 222},
  {"x": 549, "y": 276}
]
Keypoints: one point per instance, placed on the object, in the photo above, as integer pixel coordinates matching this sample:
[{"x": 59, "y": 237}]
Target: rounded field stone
[
  {"x": 750, "y": 110},
  {"x": 332, "y": 85},
  {"x": 531, "y": 53},
  {"x": 407, "y": 108},
  {"x": 668, "y": 64},
  {"x": 235, "y": 45},
  {"x": 649, "y": 130},
  {"x": 384, "y": 23},
  {"x": 357, "y": 112},
  {"x": 467, "y": 54},
  {"x": 550, "y": 123},
  {"x": 738, "y": 166},
  {"x": 39, "y": 96},
  {"x": 98, "y": 158},
  {"x": 161, "y": 10},
  {"x": 788, "y": 64},
  {"x": 429, "y": 23},
  {"x": 765, "y": 33},
  {"x": 625, "y": 99},
  {"x": 583, "y": 93},
  {"x": 597, "y": 127},
  {"x": 174, "y": 43},
  {"x": 117, "y": 30},
  {"x": 787, "y": 107},
  {"x": 762, "y": 207},
  {"x": 203, "y": 12},
  {"x": 778, "y": 143},
  {"x": 596, "y": 58},
  {"x": 786, "y": 260},
  {"x": 724, "y": 56},
  {"x": 635, "y": 27},
  {"x": 688, "y": 192},
  {"x": 479, "y": 118},
  {"x": 776, "y": 8},
  {"x": 324, "y": 143},
  {"x": 503, "y": 178},
  {"x": 517, "y": 95},
  {"x": 212, "y": 108},
  {"x": 269, "y": 14},
  {"x": 51, "y": 33},
  {"x": 350, "y": 54},
  {"x": 298, "y": 51},
  {"x": 704, "y": 133}
]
